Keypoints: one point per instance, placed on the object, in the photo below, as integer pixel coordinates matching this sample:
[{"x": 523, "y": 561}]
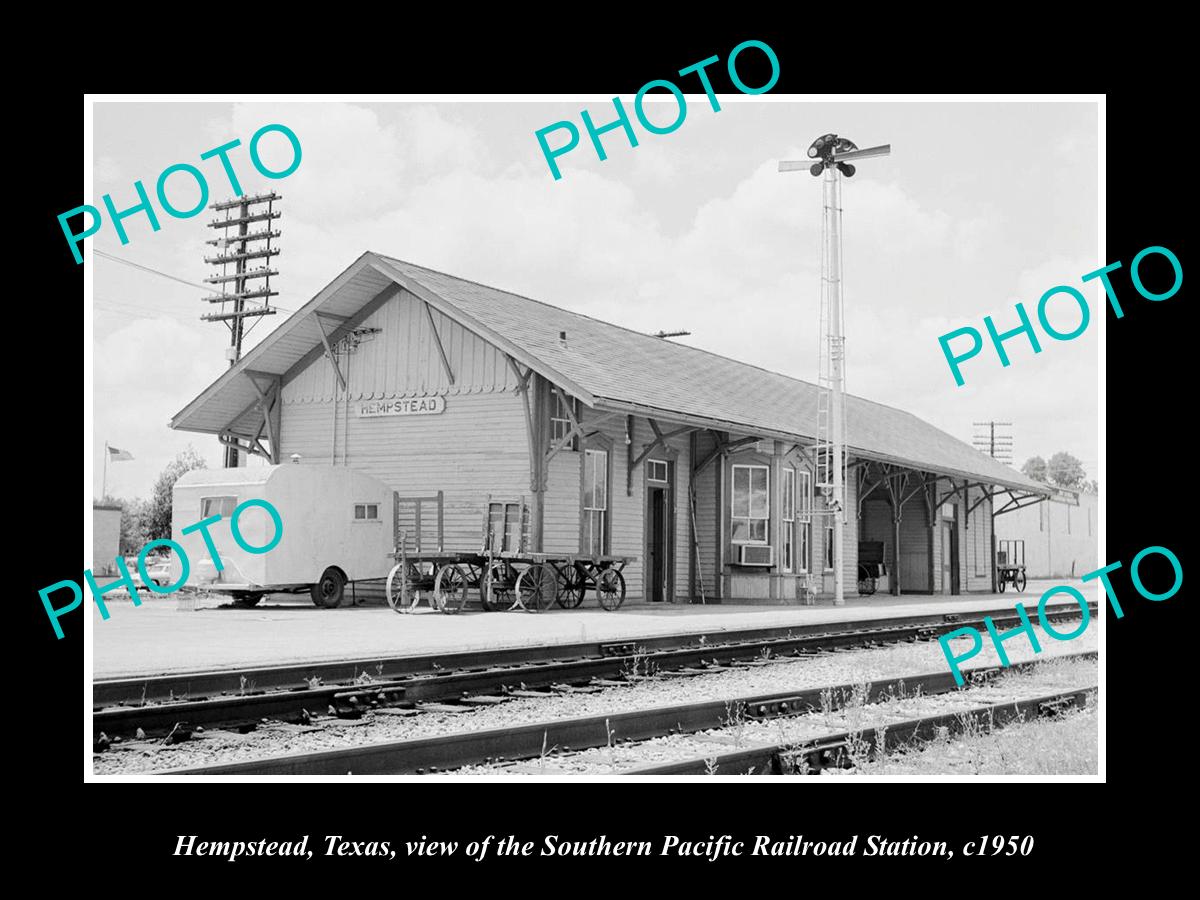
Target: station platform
[{"x": 163, "y": 635}]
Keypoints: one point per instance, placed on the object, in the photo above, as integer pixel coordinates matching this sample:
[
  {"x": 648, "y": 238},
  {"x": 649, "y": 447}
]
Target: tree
[
  {"x": 1035, "y": 468},
  {"x": 133, "y": 525},
  {"x": 1066, "y": 471},
  {"x": 133, "y": 536},
  {"x": 156, "y": 517}
]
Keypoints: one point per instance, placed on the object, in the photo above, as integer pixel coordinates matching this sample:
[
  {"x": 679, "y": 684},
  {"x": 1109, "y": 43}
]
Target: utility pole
[
  {"x": 831, "y": 155},
  {"x": 996, "y": 444},
  {"x": 240, "y": 213}
]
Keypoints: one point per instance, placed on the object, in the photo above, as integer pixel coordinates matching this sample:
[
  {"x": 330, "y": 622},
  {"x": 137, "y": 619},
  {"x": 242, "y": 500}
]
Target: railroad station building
[{"x": 578, "y": 436}]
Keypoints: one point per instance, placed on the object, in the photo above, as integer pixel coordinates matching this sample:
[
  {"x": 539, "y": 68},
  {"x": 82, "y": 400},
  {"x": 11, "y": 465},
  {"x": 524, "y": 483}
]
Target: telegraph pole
[
  {"x": 831, "y": 155},
  {"x": 240, "y": 213},
  {"x": 997, "y": 445}
]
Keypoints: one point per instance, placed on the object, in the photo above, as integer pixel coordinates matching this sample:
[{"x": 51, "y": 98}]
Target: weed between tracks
[
  {"x": 639, "y": 666},
  {"x": 1064, "y": 743}
]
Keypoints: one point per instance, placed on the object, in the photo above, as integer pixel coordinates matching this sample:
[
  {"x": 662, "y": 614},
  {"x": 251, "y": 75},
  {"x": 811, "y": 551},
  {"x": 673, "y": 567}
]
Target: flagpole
[{"x": 104, "y": 483}]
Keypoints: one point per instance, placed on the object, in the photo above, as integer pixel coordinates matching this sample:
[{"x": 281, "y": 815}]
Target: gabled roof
[{"x": 604, "y": 365}]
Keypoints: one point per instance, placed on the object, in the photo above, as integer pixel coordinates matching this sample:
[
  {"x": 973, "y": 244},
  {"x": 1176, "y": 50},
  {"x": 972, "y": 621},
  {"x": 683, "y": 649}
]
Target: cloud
[
  {"x": 145, "y": 371},
  {"x": 739, "y": 268}
]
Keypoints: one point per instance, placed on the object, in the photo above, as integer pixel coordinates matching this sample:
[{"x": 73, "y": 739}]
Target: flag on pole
[{"x": 119, "y": 455}]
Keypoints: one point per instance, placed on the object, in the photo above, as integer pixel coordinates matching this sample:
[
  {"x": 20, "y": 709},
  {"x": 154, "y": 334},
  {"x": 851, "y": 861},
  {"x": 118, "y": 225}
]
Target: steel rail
[
  {"x": 811, "y": 757},
  {"x": 456, "y": 750},
  {"x": 411, "y": 680}
]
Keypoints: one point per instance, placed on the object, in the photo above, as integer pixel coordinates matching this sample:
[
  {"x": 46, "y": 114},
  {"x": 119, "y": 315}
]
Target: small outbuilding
[{"x": 106, "y": 537}]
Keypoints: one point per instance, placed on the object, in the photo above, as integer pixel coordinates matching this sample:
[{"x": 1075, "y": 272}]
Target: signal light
[{"x": 846, "y": 169}]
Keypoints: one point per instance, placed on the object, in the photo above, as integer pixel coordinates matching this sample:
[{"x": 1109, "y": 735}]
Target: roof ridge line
[{"x": 740, "y": 362}]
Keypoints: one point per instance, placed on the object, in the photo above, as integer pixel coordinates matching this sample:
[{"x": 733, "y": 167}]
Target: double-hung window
[
  {"x": 804, "y": 518},
  {"x": 751, "y": 504},
  {"x": 560, "y": 420},
  {"x": 595, "y": 502},
  {"x": 789, "y": 518}
]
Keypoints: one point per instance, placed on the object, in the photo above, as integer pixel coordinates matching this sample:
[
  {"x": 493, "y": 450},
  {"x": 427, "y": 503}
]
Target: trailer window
[
  {"x": 367, "y": 512},
  {"x": 217, "y": 506}
]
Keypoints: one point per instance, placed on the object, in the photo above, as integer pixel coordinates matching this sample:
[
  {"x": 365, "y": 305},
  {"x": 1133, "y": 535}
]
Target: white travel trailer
[{"x": 337, "y": 528}]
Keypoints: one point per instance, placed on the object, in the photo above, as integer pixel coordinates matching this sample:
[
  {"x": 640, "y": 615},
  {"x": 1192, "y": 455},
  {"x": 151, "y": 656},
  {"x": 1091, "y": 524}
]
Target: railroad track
[
  {"x": 835, "y": 751},
  {"x": 174, "y": 705},
  {"x": 533, "y": 741}
]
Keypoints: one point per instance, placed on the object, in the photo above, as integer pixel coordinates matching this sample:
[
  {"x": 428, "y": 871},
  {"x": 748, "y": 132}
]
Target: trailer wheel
[
  {"x": 328, "y": 592},
  {"x": 246, "y": 598},
  {"x": 1019, "y": 581}
]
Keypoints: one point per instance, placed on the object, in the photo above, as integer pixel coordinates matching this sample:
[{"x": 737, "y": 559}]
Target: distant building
[
  {"x": 1061, "y": 535},
  {"x": 106, "y": 538}
]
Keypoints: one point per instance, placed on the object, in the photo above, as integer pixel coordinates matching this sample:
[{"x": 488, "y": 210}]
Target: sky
[{"x": 980, "y": 205}]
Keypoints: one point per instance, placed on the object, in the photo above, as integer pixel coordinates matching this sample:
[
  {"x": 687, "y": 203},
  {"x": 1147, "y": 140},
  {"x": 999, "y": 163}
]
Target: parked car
[{"x": 158, "y": 570}]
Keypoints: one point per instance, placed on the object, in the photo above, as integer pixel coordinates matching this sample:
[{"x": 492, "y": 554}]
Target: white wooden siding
[
  {"x": 562, "y": 509},
  {"x": 477, "y": 446},
  {"x": 402, "y": 360}
]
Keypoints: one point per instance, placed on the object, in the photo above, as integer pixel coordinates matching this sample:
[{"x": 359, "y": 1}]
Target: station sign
[{"x": 401, "y": 406}]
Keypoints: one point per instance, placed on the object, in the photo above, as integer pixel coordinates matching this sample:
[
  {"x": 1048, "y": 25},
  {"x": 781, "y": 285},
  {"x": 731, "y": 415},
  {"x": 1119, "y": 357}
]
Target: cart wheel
[
  {"x": 1019, "y": 581},
  {"x": 450, "y": 589},
  {"x": 328, "y": 592},
  {"x": 1002, "y": 583},
  {"x": 610, "y": 589},
  {"x": 538, "y": 587},
  {"x": 866, "y": 586},
  {"x": 495, "y": 591},
  {"x": 572, "y": 586},
  {"x": 398, "y": 589}
]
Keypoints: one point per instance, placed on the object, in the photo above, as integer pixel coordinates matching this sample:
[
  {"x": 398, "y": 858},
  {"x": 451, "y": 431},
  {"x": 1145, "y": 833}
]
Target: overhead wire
[{"x": 159, "y": 272}]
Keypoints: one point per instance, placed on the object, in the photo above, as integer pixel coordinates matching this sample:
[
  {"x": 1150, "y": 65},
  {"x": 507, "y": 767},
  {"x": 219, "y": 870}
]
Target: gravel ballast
[
  {"x": 1049, "y": 678},
  {"x": 787, "y": 673}
]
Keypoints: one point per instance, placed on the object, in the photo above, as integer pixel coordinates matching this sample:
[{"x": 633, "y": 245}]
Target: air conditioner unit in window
[{"x": 755, "y": 555}]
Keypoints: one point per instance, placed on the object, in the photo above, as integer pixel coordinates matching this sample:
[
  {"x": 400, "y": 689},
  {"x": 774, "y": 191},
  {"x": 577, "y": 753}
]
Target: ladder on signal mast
[{"x": 832, "y": 358}]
